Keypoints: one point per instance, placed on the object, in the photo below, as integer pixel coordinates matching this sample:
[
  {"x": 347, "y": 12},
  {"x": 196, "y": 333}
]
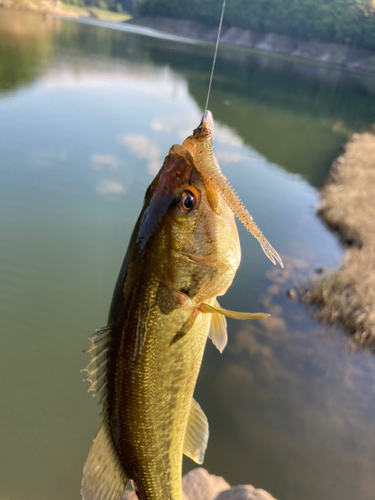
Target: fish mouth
[
  {"x": 208, "y": 118},
  {"x": 206, "y": 126}
]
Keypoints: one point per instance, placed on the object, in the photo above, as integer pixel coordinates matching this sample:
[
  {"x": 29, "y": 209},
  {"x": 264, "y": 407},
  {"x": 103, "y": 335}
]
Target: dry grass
[
  {"x": 348, "y": 206},
  {"x": 59, "y": 8},
  {"x": 108, "y": 15}
]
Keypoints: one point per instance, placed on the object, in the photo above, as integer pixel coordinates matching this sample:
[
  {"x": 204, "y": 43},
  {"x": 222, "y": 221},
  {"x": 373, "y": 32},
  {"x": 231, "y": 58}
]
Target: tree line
[{"x": 351, "y": 22}]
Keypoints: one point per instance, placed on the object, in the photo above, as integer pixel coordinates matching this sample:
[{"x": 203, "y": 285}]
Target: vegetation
[
  {"x": 343, "y": 21},
  {"x": 97, "y": 7},
  {"x": 348, "y": 294},
  {"x": 26, "y": 49}
]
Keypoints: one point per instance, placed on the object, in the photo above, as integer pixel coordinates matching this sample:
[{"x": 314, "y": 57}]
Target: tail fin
[{"x": 103, "y": 477}]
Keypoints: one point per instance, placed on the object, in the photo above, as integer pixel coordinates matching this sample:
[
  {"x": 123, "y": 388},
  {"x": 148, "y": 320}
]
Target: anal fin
[
  {"x": 103, "y": 477},
  {"x": 196, "y": 435}
]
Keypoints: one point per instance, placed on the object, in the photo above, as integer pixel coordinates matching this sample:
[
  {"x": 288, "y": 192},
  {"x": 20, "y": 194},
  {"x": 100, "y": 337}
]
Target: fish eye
[{"x": 188, "y": 201}]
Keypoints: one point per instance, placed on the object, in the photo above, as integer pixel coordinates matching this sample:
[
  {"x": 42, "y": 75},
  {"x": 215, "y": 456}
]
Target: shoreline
[
  {"x": 58, "y": 8},
  {"x": 347, "y": 295},
  {"x": 42, "y": 7},
  {"x": 313, "y": 52},
  {"x": 354, "y": 60}
]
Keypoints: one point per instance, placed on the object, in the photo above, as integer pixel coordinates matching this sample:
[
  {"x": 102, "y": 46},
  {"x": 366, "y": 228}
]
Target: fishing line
[{"x": 214, "y": 61}]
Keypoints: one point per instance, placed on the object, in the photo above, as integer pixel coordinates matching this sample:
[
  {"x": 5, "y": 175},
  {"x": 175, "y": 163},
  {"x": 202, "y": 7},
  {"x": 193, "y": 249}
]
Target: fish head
[{"x": 188, "y": 229}]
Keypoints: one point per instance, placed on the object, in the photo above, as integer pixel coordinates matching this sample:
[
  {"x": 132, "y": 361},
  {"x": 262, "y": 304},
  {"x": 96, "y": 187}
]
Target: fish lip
[
  {"x": 206, "y": 126},
  {"x": 207, "y": 117}
]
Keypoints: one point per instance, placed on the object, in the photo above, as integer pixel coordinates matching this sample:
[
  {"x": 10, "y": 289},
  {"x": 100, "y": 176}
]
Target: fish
[{"x": 183, "y": 254}]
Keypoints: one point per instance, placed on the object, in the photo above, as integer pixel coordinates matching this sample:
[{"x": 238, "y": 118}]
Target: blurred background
[{"x": 92, "y": 96}]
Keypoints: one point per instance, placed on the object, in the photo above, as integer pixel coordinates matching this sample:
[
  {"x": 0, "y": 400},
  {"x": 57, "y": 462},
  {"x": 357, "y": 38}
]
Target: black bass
[{"x": 183, "y": 254}]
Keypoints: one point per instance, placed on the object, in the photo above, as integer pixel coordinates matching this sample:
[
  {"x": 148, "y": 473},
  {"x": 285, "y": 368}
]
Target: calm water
[{"x": 87, "y": 115}]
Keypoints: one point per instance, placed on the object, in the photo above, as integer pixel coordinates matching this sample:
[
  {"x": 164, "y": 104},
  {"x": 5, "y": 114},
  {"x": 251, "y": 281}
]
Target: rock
[
  {"x": 247, "y": 492},
  {"x": 292, "y": 294},
  {"x": 198, "y": 484},
  {"x": 319, "y": 270}
]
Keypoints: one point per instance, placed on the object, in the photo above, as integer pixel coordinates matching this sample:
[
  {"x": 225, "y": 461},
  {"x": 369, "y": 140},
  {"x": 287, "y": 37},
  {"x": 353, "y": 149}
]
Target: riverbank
[
  {"x": 345, "y": 56},
  {"x": 350, "y": 58},
  {"x": 58, "y": 8},
  {"x": 347, "y": 295}
]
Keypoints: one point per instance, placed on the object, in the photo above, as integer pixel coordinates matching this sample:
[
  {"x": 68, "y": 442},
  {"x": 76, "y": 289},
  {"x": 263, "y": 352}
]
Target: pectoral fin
[
  {"x": 218, "y": 329},
  {"x": 205, "y": 308},
  {"x": 196, "y": 435},
  {"x": 186, "y": 327},
  {"x": 103, "y": 478}
]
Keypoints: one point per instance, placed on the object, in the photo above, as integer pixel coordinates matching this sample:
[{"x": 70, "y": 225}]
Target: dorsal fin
[
  {"x": 97, "y": 367},
  {"x": 103, "y": 477},
  {"x": 196, "y": 435}
]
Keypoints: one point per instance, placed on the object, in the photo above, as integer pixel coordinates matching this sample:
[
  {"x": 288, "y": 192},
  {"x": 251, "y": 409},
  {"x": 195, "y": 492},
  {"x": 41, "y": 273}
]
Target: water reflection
[
  {"x": 105, "y": 163},
  {"x": 293, "y": 394},
  {"x": 282, "y": 109},
  {"x": 143, "y": 149},
  {"x": 25, "y": 48},
  {"x": 289, "y": 410}
]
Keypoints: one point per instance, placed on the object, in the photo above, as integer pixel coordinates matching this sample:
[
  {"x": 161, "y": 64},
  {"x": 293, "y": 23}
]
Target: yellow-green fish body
[{"x": 183, "y": 253}]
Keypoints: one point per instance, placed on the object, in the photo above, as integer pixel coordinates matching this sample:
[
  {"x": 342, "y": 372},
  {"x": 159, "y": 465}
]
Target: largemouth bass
[{"x": 183, "y": 254}]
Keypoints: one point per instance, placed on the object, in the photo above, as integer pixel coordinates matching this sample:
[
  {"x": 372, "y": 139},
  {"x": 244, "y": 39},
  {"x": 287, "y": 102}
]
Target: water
[{"x": 87, "y": 115}]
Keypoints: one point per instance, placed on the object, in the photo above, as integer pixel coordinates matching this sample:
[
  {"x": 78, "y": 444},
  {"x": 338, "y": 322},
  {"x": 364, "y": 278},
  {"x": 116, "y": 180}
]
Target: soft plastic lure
[{"x": 207, "y": 165}]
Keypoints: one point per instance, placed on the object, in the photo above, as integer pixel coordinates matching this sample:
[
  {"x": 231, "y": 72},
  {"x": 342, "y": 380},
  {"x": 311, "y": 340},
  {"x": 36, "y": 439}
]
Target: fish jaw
[{"x": 207, "y": 122}]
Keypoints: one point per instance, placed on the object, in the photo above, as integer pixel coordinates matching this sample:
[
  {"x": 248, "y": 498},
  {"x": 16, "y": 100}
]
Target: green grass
[
  {"x": 24, "y": 3},
  {"x": 75, "y": 9},
  {"x": 103, "y": 14},
  {"x": 108, "y": 15}
]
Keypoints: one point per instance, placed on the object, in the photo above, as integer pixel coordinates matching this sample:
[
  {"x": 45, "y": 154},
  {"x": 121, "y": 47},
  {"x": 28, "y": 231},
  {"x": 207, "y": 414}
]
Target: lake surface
[{"x": 87, "y": 114}]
